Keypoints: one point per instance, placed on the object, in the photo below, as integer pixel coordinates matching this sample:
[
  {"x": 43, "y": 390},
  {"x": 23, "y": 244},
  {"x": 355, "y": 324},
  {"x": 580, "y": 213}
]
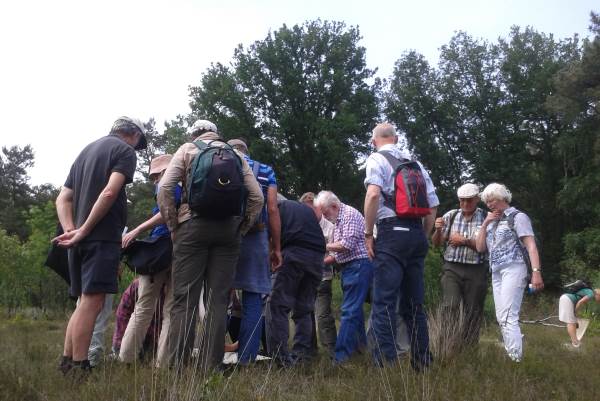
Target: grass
[{"x": 29, "y": 351}]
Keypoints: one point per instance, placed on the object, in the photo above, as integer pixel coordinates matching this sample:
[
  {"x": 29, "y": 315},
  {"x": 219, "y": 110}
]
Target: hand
[
  {"x": 456, "y": 240},
  {"x": 440, "y": 223},
  {"x": 537, "y": 283},
  {"x": 492, "y": 216},
  {"x": 70, "y": 239},
  {"x": 276, "y": 260},
  {"x": 127, "y": 238},
  {"x": 370, "y": 241}
]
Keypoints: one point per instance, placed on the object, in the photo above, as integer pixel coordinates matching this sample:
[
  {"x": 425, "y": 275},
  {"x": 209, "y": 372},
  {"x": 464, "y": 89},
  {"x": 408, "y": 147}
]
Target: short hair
[
  {"x": 125, "y": 128},
  {"x": 306, "y": 197},
  {"x": 326, "y": 199},
  {"x": 384, "y": 130},
  {"x": 496, "y": 191}
]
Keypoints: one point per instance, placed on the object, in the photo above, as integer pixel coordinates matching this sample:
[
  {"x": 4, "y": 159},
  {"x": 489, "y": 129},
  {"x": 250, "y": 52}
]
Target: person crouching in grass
[{"x": 570, "y": 304}]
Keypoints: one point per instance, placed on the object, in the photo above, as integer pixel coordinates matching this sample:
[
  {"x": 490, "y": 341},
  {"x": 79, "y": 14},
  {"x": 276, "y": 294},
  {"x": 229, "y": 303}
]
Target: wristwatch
[
  {"x": 536, "y": 269},
  {"x": 368, "y": 235}
]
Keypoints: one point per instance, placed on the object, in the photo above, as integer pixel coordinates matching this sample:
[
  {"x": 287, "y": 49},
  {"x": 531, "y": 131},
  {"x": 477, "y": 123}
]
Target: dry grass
[{"x": 29, "y": 351}]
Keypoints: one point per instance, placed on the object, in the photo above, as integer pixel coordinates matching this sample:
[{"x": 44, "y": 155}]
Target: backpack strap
[
  {"x": 452, "y": 218},
  {"x": 200, "y": 144}
]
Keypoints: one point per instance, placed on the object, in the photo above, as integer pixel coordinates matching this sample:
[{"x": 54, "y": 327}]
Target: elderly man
[
  {"x": 464, "y": 281},
  {"x": 92, "y": 211},
  {"x": 253, "y": 275},
  {"x": 400, "y": 250},
  {"x": 349, "y": 251},
  {"x": 295, "y": 284},
  {"x": 205, "y": 247},
  {"x": 324, "y": 320}
]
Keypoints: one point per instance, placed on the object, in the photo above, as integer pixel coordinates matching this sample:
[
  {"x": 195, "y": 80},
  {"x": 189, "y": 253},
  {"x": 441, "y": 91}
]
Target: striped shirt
[
  {"x": 350, "y": 232},
  {"x": 468, "y": 229}
]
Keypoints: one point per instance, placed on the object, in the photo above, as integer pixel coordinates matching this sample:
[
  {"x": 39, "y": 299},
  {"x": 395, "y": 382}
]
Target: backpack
[
  {"x": 510, "y": 219},
  {"x": 149, "y": 256},
  {"x": 215, "y": 184},
  {"x": 577, "y": 285},
  {"x": 409, "y": 199}
]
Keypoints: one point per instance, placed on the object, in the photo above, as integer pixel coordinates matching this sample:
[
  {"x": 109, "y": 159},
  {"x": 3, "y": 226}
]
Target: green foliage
[
  {"x": 302, "y": 100},
  {"x": 480, "y": 117}
]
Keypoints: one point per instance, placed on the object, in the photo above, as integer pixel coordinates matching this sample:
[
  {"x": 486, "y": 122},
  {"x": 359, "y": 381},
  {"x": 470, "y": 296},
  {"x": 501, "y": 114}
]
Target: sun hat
[
  {"x": 467, "y": 191},
  {"x": 202, "y": 125},
  {"x": 159, "y": 164}
]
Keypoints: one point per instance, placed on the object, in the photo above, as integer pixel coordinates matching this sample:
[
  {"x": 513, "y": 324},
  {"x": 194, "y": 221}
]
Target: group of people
[{"x": 279, "y": 254}]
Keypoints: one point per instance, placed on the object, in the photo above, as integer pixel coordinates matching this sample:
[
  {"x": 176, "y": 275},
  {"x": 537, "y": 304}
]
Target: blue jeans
[
  {"x": 356, "y": 280},
  {"x": 400, "y": 251},
  {"x": 250, "y": 327}
]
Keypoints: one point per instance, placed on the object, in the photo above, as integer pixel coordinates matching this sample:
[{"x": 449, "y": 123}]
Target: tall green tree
[
  {"x": 15, "y": 193},
  {"x": 480, "y": 116},
  {"x": 577, "y": 100},
  {"x": 304, "y": 100}
]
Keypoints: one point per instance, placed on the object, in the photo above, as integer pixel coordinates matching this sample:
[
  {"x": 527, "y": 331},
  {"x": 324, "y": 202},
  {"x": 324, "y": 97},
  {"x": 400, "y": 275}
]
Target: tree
[
  {"x": 480, "y": 116},
  {"x": 302, "y": 99},
  {"x": 15, "y": 193},
  {"x": 576, "y": 101}
]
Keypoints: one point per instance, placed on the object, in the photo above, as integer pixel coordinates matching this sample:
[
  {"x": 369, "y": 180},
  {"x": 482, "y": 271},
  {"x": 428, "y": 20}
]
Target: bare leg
[
  {"x": 81, "y": 325},
  {"x": 572, "y": 330}
]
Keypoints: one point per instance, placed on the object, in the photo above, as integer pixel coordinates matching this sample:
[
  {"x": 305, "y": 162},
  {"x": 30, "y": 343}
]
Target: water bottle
[{"x": 530, "y": 289}]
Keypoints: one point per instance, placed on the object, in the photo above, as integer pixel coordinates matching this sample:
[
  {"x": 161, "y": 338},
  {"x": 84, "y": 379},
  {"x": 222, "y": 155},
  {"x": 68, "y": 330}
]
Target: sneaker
[{"x": 572, "y": 347}]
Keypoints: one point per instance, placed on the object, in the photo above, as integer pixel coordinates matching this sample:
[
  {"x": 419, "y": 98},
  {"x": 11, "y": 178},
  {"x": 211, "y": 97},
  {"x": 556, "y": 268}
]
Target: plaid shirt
[
  {"x": 468, "y": 229},
  {"x": 350, "y": 232},
  {"x": 124, "y": 312}
]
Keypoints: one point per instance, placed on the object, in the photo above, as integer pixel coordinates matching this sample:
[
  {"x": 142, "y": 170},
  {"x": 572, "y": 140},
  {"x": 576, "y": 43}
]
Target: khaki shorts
[{"x": 566, "y": 310}]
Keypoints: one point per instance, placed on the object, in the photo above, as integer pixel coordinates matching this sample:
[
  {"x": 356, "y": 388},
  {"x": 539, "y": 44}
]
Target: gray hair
[
  {"x": 326, "y": 199},
  {"x": 384, "y": 130},
  {"x": 496, "y": 191}
]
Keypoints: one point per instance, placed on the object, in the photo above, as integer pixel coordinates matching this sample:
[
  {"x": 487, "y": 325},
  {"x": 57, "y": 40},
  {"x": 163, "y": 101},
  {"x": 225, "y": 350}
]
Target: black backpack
[
  {"x": 215, "y": 184},
  {"x": 149, "y": 256},
  {"x": 577, "y": 285}
]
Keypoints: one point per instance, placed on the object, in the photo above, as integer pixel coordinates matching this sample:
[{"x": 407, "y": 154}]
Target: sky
[{"x": 69, "y": 68}]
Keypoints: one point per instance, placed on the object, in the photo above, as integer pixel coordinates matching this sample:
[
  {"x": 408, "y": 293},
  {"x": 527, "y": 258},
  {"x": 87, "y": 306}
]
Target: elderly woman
[{"x": 507, "y": 235}]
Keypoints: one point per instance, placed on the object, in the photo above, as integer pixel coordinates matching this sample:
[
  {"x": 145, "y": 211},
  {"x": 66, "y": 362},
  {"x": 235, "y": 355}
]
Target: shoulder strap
[
  {"x": 200, "y": 144},
  {"x": 394, "y": 161},
  {"x": 255, "y": 169},
  {"x": 452, "y": 218}
]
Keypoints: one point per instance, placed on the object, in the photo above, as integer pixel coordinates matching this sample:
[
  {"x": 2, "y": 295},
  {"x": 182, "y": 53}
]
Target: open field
[{"x": 29, "y": 351}]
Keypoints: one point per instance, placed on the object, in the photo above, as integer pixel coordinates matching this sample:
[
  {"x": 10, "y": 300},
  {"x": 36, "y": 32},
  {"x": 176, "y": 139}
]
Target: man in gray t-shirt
[{"x": 92, "y": 210}]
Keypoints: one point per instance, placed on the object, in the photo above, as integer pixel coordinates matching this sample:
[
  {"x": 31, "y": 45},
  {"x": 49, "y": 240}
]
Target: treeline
[{"x": 522, "y": 111}]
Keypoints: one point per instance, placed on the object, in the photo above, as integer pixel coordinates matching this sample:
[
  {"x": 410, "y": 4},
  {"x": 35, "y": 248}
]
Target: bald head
[{"x": 384, "y": 130}]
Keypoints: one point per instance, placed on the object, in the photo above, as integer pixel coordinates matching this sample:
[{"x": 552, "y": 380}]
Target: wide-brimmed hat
[
  {"x": 239, "y": 143},
  {"x": 159, "y": 164}
]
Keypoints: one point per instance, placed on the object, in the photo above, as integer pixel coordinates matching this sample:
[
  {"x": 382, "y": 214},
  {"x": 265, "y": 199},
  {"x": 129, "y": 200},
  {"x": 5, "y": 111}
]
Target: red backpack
[{"x": 409, "y": 199}]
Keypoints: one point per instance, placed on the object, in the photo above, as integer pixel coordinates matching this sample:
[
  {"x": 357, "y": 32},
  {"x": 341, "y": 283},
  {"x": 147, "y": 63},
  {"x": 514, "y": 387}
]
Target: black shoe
[
  {"x": 80, "y": 371},
  {"x": 65, "y": 364}
]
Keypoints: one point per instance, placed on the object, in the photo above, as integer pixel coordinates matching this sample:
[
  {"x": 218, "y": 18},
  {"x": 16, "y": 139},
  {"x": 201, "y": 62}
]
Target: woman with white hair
[{"x": 507, "y": 235}]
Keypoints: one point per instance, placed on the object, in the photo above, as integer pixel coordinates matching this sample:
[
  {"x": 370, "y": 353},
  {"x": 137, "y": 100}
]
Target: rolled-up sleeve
[
  {"x": 166, "y": 195},
  {"x": 374, "y": 173},
  {"x": 255, "y": 199}
]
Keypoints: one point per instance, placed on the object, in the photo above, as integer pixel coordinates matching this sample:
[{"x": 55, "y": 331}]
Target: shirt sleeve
[
  {"x": 523, "y": 225},
  {"x": 69, "y": 181},
  {"x": 446, "y": 218},
  {"x": 351, "y": 231},
  {"x": 255, "y": 199},
  {"x": 166, "y": 194},
  {"x": 374, "y": 173},
  {"x": 271, "y": 177},
  {"x": 125, "y": 164}
]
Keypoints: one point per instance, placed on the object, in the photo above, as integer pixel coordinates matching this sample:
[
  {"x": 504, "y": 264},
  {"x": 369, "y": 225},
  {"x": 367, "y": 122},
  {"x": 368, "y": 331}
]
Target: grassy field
[{"x": 29, "y": 351}]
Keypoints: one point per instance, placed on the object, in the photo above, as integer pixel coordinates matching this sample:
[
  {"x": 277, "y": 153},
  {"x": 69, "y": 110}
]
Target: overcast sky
[{"x": 69, "y": 68}]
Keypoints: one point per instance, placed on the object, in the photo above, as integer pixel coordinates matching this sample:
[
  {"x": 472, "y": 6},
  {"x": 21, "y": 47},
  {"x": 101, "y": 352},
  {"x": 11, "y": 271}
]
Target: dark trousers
[
  {"x": 205, "y": 253},
  {"x": 400, "y": 251},
  {"x": 294, "y": 290},
  {"x": 466, "y": 285},
  {"x": 325, "y": 322}
]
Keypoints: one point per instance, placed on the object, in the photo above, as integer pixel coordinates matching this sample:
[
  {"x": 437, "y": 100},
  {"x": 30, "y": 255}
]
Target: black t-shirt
[
  {"x": 300, "y": 227},
  {"x": 89, "y": 175}
]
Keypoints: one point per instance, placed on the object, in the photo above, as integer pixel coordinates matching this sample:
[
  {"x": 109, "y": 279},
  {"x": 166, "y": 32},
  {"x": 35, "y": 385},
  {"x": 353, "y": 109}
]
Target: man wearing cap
[
  {"x": 253, "y": 275},
  {"x": 398, "y": 255},
  {"x": 92, "y": 210},
  {"x": 149, "y": 287},
  {"x": 205, "y": 253},
  {"x": 464, "y": 279}
]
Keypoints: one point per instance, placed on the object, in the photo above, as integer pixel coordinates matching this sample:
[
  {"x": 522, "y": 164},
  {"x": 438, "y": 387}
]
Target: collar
[{"x": 209, "y": 136}]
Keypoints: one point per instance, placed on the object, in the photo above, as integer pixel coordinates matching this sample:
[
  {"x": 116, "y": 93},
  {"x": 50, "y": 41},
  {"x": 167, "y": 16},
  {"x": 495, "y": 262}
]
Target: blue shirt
[
  {"x": 162, "y": 229},
  {"x": 503, "y": 245},
  {"x": 266, "y": 178}
]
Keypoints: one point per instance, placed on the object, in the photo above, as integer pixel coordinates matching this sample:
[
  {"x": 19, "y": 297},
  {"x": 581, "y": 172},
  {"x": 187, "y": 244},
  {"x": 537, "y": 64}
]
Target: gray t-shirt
[
  {"x": 503, "y": 246},
  {"x": 89, "y": 175}
]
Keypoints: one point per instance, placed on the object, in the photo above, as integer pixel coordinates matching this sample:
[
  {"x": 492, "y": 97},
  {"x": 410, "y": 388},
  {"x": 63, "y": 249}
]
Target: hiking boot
[
  {"x": 65, "y": 364},
  {"x": 80, "y": 371}
]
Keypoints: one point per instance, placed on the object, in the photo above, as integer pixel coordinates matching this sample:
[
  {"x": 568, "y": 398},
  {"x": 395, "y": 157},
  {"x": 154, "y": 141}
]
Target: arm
[
  {"x": 371, "y": 206},
  {"x": 274, "y": 227},
  {"x": 429, "y": 220},
  {"x": 534, "y": 257},
  {"x": 255, "y": 200},
  {"x": 150, "y": 223},
  {"x": 64, "y": 209},
  {"x": 165, "y": 198},
  {"x": 480, "y": 244},
  {"x": 104, "y": 202},
  {"x": 581, "y": 302},
  {"x": 336, "y": 247},
  {"x": 438, "y": 237}
]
